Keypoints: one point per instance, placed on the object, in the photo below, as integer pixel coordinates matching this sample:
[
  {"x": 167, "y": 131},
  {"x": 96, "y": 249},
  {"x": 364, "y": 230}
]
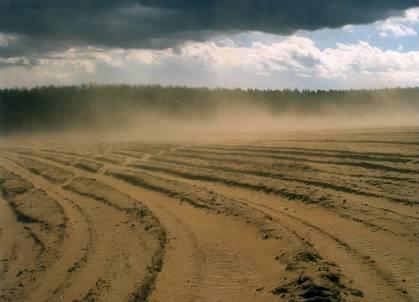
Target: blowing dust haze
[{"x": 162, "y": 113}]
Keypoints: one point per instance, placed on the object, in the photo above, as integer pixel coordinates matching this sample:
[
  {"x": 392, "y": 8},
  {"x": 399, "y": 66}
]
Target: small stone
[{"x": 357, "y": 293}]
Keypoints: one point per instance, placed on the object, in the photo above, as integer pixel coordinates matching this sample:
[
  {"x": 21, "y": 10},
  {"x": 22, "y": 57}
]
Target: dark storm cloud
[{"x": 44, "y": 25}]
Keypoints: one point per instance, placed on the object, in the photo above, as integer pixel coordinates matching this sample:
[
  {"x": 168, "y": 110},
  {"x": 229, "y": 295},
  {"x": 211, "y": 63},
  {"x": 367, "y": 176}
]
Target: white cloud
[
  {"x": 147, "y": 56},
  {"x": 348, "y": 28},
  {"x": 287, "y": 55},
  {"x": 6, "y": 39},
  {"x": 301, "y": 57},
  {"x": 399, "y": 26},
  {"x": 296, "y": 58},
  {"x": 412, "y": 15},
  {"x": 358, "y": 60},
  {"x": 396, "y": 29}
]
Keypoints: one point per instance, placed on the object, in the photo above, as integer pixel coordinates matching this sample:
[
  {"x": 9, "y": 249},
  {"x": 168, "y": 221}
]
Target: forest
[{"x": 57, "y": 108}]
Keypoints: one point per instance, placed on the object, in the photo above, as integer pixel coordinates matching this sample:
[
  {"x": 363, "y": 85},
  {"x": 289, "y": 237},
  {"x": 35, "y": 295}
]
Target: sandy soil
[{"x": 315, "y": 217}]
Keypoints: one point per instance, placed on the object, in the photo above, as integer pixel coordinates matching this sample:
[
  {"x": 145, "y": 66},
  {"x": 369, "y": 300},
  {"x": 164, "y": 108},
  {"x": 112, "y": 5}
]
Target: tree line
[{"x": 52, "y": 107}]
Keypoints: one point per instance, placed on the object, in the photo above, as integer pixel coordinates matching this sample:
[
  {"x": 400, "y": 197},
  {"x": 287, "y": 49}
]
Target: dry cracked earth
[{"x": 319, "y": 217}]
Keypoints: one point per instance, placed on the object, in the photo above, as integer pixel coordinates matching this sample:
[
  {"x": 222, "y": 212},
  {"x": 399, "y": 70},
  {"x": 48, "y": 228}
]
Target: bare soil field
[{"x": 325, "y": 216}]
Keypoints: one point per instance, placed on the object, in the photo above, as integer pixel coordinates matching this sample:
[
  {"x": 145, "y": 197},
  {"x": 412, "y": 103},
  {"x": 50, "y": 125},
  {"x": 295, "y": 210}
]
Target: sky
[{"x": 271, "y": 44}]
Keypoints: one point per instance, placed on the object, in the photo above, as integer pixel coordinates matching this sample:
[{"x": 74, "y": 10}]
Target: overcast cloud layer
[
  {"x": 42, "y": 25},
  {"x": 246, "y": 43}
]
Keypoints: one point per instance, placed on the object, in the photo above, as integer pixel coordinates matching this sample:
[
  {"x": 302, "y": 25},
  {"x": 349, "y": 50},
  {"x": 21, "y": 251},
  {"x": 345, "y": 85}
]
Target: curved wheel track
[{"x": 277, "y": 220}]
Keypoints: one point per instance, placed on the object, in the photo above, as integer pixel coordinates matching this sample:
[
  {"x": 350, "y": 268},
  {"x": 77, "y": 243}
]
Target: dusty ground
[{"x": 313, "y": 217}]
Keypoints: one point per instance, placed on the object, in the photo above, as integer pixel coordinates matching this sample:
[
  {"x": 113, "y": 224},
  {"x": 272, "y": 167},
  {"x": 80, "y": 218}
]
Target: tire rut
[
  {"x": 105, "y": 275},
  {"x": 75, "y": 247},
  {"x": 376, "y": 266},
  {"x": 374, "y": 256},
  {"x": 222, "y": 267}
]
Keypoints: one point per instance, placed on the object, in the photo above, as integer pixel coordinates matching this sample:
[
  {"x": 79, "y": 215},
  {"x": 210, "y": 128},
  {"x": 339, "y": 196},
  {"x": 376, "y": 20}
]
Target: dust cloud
[{"x": 119, "y": 118}]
